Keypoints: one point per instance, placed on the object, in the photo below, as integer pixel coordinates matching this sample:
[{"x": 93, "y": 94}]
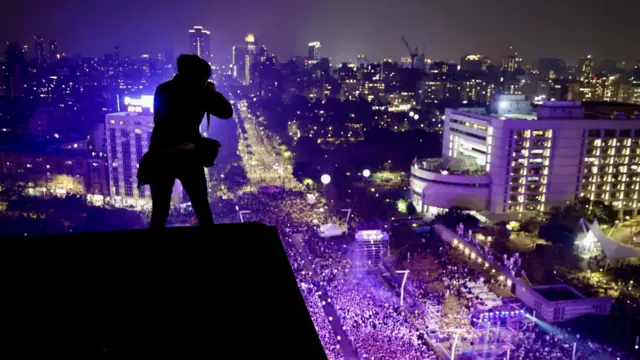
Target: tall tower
[
  {"x": 54, "y": 53},
  {"x": 200, "y": 42},
  {"x": 117, "y": 53},
  {"x": 15, "y": 70},
  {"x": 238, "y": 57},
  {"x": 39, "y": 49},
  {"x": 512, "y": 61},
  {"x": 314, "y": 50},
  {"x": 250, "y": 46},
  {"x": 586, "y": 67}
]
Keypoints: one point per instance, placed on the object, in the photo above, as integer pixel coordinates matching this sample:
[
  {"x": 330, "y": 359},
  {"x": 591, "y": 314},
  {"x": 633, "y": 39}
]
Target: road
[
  {"x": 265, "y": 164},
  {"x": 262, "y": 157}
]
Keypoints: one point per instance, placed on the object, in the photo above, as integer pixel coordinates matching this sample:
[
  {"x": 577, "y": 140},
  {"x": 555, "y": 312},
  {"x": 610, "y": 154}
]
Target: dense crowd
[{"x": 369, "y": 313}]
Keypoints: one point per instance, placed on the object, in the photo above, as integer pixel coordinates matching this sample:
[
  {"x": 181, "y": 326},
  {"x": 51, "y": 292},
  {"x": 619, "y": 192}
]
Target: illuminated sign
[
  {"x": 372, "y": 235},
  {"x": 139, "y": 105}
]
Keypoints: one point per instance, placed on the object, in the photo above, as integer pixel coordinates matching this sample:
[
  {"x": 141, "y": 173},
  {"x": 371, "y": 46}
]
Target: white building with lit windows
[
  {"x": 515, "y": 159},
  {"x": 128, "y": 135}
]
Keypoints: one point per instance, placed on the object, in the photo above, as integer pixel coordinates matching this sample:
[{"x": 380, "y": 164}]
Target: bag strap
[{"x": 208, "y": 123}]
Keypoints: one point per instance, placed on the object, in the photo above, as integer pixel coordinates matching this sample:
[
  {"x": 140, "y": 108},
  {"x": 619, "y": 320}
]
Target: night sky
[{"x": 567, "y": 29}]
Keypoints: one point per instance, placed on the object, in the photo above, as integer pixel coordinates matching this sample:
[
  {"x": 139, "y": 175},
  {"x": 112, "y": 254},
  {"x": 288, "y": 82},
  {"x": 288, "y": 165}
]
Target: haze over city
[{"x": 567, "y": 29}]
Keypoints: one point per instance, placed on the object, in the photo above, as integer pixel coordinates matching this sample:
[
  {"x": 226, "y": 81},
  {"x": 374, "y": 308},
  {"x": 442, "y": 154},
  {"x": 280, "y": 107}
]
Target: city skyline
[{"x": 446, "y": 31}]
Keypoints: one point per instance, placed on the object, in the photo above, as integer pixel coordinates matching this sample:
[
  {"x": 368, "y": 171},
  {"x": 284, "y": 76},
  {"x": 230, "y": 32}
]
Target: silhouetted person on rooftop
[{"x": 179, "y": 107}]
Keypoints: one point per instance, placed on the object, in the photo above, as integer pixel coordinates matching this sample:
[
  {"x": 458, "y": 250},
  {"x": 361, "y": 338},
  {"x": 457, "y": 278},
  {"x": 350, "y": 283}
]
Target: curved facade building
[
  {"x": 435, "y": 190},
  {"x": 532, "y": 159}
]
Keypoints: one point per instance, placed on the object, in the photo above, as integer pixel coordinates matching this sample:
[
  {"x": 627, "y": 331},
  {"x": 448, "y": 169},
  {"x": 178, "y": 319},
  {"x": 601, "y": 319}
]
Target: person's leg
[
  {"x": 195, "y": 184},
  {"x": 161, "y": 201}
]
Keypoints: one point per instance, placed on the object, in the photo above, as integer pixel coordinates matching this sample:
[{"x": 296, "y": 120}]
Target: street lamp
[
  {"x": 366, "y": 173},
  {"x": 325, "y": 179},
  {"x": 348, "y": 211},
  {"x": 243, "y": 212},
  {"x": 456, "y": 336},
  {"x": 404, "y": 280}
]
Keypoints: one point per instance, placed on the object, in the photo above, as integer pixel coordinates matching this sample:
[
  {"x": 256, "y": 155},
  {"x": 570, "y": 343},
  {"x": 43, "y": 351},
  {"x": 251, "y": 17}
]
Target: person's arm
[{"x": 217, "y": 104}]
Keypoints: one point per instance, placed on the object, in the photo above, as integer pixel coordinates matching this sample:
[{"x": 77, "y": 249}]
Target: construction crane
[{"x": 412, "y": 53}]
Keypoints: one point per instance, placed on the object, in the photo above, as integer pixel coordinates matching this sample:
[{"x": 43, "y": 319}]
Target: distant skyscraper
[
  {"x": 546, "y": 66},
  {"x": 238, "y": 58},
  {"x": 609, "y": 67},
  {"x": 362, "y": 60},
  {"x": 314, "y": 50},
  {"x": 169, "y": 56},
  {"x": 117, "y": 53},
  {"x": 3, "y": 78},
  {"x": 15, "y": 71},
  {"x": 586, "y": 67},
  {"x": 39, "y": 49},
  {"x": 635, "y": 85},
  {"x": 250, "y": 46},
  {"x": 200, "y": 42},
  {"x": 54, "y": 53},
  {"x": 511, "y": 62}
]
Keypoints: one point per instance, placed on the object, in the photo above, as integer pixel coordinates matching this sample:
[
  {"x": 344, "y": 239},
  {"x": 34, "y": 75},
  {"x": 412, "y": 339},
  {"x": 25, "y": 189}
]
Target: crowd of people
[
  {"x": 374, "y": 320},
  {"x": 369, "y": 315}
]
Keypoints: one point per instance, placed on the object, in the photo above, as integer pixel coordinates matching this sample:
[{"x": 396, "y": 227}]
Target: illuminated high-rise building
[
  {"x": 512, "y": 61},
  {"x": 15, "y": 71},
  {"x": 585, "y": 68},
  {"x": 128, "y": 135},
  {"x": 238, "y": 58},
  {"x": 54, "y": 52},
  {"x": 39, "y": 49},
  {"x": 516, "y": 159},
  {"x": 314, "y": 50},
  {"x": 635, "y": 85},
  {"x": 200, "y": 42},
  {"x": 250, "y": 52},
  {"x": 361, "y": 60}
]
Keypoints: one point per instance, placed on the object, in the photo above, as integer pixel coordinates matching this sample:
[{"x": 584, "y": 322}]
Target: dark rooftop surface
[
  {"x": 557, "y": 293},
  {"x": 181, "y": 294}
]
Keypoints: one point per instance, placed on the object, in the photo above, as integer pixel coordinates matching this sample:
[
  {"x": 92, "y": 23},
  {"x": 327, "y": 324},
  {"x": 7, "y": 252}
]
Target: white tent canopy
[
  {"x": 329, "y": 230},
  {"x": 613, "y": 249}
]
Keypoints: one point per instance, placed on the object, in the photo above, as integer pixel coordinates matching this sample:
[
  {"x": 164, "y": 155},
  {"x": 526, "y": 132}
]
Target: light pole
[
  {"x": 348, "y": 211},
  {"x": 456, "y": 336},
  {"x": 573, "y": 356},
  {"x": 404, "y": 280},
  {"x": 243, "y": 212}
]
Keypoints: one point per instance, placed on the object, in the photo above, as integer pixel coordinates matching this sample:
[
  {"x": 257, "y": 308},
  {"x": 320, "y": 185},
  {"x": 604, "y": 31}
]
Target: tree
[
  {"x": 457, "y": 215},
  {"x": 605, "y": 214},
  {"x": 531, "y": 226}
]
